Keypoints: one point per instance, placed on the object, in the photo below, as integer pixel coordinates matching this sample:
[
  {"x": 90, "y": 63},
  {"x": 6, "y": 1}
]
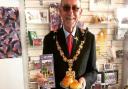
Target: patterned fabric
[{"x": 10, "y": 45}]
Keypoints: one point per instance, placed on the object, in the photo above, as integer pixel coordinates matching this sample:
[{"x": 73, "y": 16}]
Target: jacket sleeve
[
  {"x": 48, "y": 43},
  {"x": 91, "y": 71}
]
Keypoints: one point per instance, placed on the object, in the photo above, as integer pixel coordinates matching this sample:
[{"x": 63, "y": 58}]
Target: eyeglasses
[{"x": 67, "y": 8}]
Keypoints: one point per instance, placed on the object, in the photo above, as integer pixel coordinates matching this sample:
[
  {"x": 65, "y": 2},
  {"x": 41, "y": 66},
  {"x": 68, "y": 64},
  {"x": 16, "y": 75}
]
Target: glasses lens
[
  {"x": 75, "y": 8},
  {"x": 66, "y": 8}
]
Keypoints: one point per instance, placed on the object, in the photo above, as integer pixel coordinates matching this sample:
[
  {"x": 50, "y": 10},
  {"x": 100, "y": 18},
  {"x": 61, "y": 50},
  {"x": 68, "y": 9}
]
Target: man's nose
[{"x": 71, "y": 11}]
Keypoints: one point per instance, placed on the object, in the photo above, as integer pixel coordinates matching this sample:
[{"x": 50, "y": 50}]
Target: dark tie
[{"x": 70, "y": 41}]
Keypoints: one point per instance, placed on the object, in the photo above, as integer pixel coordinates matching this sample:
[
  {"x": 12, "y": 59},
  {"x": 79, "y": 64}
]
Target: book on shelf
[
  {"x": 55, "y": 20},
  {"x": 34, "y": 39},
  {"x": 47, "y": 69}
]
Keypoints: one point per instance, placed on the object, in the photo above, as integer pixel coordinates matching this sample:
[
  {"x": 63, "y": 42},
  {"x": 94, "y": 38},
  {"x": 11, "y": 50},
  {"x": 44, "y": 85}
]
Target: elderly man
[{"x": 73, "y": 49}]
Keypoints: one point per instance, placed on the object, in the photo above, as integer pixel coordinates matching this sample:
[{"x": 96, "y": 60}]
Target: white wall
[{"x": 11, "y": 74}]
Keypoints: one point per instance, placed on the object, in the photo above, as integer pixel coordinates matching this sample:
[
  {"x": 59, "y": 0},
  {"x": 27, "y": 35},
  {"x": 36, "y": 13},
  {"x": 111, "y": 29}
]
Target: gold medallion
[{"x": 69, "y": 80}]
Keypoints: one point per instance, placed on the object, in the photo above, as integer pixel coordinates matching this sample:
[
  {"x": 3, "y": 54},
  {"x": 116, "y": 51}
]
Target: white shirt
[{"x": 67, "y": 33}]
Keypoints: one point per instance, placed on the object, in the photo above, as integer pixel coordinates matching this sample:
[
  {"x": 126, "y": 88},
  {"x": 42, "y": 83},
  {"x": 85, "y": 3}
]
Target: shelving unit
[
  {"x": 107, "y": 46},
  {"x": 41, "y": 27}
]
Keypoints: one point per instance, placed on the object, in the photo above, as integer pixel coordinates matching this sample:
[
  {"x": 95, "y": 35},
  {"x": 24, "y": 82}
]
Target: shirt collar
[{"x": 67, "y": 33}]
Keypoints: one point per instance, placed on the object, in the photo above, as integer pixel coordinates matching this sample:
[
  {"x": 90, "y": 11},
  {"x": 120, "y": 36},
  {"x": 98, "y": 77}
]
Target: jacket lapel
[
  {"x": 76, "y": 42},
  {"x": 63, "y": 44},
  {"x": 62, "y": 41}
]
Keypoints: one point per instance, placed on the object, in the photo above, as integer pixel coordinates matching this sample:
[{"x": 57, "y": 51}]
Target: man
[{"x": 81, "y": 52}]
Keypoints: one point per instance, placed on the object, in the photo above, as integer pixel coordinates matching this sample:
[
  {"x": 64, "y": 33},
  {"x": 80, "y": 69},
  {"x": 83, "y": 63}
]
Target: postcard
[{"x": 47, "y": 69}]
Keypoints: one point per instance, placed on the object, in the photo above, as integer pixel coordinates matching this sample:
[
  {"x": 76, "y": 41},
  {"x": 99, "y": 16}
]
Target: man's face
[{"x": 70, "y": 11}]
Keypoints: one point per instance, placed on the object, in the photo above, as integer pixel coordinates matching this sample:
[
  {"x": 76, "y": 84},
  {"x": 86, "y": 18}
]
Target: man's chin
[{"x": 70, "y": 23}]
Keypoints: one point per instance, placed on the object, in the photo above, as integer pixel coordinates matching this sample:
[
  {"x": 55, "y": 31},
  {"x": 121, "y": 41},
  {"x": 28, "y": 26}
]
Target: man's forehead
[
  {"x": 76, "y": 2},
  {"x": 71, "y": 0}
]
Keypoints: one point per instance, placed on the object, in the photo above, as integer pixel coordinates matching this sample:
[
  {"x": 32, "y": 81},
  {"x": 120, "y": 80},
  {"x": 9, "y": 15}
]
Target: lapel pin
[{"x": 76, "y": 38}]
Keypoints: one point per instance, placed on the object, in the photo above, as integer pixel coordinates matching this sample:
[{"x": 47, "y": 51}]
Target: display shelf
[
  {"x": 104, "y": 86},
  {"x": 106, "y": 79},
  {"x": 33, "y": 85},
  {"x": 40, "y": 3},
  {"x": 37, "y": 20},
  {"x": 102, "y": 25},
  {"x": 35, "y": 48}
]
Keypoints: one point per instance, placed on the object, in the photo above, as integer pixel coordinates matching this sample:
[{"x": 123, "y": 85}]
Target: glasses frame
[{"x": 67, "y": 8}]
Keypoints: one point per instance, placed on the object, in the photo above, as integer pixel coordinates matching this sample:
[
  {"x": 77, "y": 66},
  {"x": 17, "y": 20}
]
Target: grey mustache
[{"x": 68, "y": 18}]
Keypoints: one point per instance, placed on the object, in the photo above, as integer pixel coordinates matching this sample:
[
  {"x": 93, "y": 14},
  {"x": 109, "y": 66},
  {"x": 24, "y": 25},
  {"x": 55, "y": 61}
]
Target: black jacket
[{"x": 84, "y": 66}]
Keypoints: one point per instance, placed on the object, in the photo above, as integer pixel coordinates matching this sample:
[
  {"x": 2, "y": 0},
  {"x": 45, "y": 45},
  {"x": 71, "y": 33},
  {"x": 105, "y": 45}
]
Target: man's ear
[
  {"x": 81, "y": 10},
  {"x": 60, "y": 11}
]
